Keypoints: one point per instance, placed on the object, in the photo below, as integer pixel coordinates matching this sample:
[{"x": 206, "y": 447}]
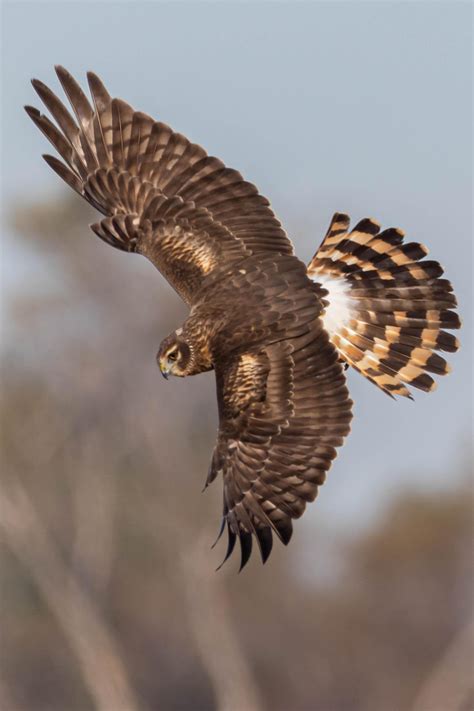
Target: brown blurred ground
[{"x": 109, "y": 595}]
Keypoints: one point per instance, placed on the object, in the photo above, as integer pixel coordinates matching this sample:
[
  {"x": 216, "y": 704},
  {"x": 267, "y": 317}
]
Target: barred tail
[{"x": 386, "y": 306}]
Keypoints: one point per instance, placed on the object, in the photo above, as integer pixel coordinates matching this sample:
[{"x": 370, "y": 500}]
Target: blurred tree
[{"x": 101, "y": 469}]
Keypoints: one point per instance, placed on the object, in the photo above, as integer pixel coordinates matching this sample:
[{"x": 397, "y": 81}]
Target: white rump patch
[{"x": 338, "y": 313}]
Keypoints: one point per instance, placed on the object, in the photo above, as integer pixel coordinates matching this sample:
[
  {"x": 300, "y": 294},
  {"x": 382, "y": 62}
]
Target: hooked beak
[{"x": 163, "y": 370}]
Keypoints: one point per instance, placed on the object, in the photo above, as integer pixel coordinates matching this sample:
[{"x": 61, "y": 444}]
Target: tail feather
[{"x": 386, "y": 306}]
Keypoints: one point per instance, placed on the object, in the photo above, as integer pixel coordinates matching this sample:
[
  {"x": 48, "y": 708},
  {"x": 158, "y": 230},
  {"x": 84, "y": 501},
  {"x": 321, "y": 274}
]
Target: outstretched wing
[
  {"x": 162, "y": 195},
  {"x": 283, "y": 411}
]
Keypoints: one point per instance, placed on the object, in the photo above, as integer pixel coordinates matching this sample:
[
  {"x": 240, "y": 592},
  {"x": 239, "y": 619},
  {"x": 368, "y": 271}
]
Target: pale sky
[{"x": 357, "y": 107}]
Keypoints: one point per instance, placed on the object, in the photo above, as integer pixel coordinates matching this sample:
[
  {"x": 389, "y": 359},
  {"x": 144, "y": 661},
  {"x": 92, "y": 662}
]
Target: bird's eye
[{"x": 173, "y": 356}]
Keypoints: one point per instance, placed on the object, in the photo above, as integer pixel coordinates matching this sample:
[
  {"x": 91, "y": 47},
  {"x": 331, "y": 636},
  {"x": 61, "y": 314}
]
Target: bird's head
[{"x": 175, "y": 356}]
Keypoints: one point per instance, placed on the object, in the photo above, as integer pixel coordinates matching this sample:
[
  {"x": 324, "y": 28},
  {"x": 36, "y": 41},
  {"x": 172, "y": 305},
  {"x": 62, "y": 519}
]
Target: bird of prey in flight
[{"x": 278, "y": 334}]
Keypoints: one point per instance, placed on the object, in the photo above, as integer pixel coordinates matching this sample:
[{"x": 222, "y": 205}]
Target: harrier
[{"x": 277, "y": 333}]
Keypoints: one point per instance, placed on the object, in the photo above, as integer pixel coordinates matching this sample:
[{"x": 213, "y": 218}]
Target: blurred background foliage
[{"x": 109, "y": 595}]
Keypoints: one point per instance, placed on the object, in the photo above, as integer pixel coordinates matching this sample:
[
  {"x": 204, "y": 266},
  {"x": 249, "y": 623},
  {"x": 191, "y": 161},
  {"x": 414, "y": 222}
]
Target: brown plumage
[
  {"x": 395, "y": 306},
  {"x": 275, "y": 332}
]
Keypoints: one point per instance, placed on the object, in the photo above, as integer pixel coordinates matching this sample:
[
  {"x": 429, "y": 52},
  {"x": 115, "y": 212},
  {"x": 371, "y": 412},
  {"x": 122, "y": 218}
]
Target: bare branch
[
  {"x": 214, "y": 633},
  {"x": 103, "y": 670},
  {"x": 450, "y": 684},
  {"x": 94, "y": 519}
]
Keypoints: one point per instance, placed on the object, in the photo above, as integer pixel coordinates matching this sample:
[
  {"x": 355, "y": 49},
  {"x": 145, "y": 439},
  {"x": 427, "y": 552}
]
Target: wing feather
[
  {"x": 123, "y": 162},
  {"x": 283, "y": 411}
]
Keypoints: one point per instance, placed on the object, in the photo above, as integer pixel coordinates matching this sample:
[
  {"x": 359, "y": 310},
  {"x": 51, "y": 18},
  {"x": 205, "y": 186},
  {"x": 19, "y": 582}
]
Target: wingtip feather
[
  {"x": 98, "y": 90},
  {"x": 245, "y": 548},
  {"x": 61, "y": 71},
  {"x": 32, "y": 111},
  {"x": 232, "y": 537}
]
